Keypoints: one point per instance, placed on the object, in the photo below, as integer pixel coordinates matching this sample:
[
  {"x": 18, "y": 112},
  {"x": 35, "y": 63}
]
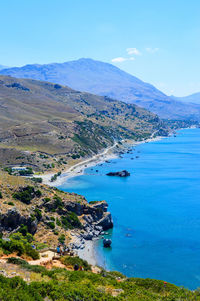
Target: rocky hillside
[
  {"x": 47, "y": 213},
  {"x": 105, "y": 79},
  {"x": 46, "y": 125},
  {"x": 37, "y": 215}
]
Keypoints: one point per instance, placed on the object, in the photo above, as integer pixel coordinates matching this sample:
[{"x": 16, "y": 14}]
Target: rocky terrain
[{"x": 48, "y": 212}]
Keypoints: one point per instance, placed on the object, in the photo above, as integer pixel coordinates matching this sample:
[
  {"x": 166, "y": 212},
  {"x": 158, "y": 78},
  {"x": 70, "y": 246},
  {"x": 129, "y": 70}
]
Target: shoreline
[
  {"x": 78, "y": 169},
  {"x": 85, "y": 249}
]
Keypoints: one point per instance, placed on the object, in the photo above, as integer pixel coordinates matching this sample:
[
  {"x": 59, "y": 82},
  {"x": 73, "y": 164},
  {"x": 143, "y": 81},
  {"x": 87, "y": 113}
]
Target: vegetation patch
[
  {"x": 72, "y": 261},
  {"x": 19, "y": 244},
  {"x": 70, "y": 221},
  {"x": 26, "y": 194}
]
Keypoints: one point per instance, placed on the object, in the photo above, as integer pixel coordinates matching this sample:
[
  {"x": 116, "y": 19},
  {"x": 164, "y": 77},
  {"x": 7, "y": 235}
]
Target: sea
[{"x": 156, "y": 211}]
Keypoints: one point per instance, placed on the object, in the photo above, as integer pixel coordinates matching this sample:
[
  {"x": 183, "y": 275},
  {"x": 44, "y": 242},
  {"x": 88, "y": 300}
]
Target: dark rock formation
[
  {"x": 107, "y": 243},
  {"x": 13, "y": 219},
  {"x": 123, "y": 173}
]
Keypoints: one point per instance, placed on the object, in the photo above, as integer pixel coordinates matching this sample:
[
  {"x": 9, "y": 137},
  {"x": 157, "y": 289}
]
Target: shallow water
[{"x": 156, "y": 211}]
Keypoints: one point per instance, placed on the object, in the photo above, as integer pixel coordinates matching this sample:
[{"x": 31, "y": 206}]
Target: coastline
[
  {"x": 77, "y": 169},
  {"x": 85, "y": 249}
]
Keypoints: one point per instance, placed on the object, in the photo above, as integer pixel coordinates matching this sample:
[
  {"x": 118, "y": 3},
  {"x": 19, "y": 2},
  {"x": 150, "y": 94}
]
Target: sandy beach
[
  {"x": 78, "y": 168},
  {"x": 88, "y": 253}
]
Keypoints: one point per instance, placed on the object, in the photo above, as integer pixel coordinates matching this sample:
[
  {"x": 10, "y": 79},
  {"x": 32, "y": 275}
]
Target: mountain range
[
  {"x": 193, "y": 98},
  {"x": 107, "y": 80}
]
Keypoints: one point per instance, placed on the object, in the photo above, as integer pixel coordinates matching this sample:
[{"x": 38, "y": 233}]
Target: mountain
[
  {"x": 105, "y": 79},
  {"x": 194, "y": 98},
  {"x": 40, "y": 117},
  {"x": 3, "y": 67}
]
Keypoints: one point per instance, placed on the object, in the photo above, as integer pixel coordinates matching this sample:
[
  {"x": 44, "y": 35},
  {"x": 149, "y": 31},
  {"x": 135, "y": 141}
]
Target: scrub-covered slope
[{"x": 39, "y": 117}]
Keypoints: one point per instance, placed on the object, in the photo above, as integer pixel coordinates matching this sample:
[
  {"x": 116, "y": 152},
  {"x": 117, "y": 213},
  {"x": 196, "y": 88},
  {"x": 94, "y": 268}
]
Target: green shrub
[
  {"x": 58, "y": 222},
  {"x": 51, "y": 225},
  {"x": 70, "y": 221},
  {"x": 58, "y": 202},
  {"x": 19, "y": 244},
  {"x": 71, "y": 261},
  {"x": 1, "y": 196},
  {"x": 37, "y": 180},
  {"x": 11, "y": 204},
  {"x": 46, "y": 200},
  {"x": 38, "y": 193},
  {"x": 93, "y": 202},
  {"x": 28, "y": 171},
  {"x": 61, "y": 239},
  {"x": 38, "y": 214},
  {"x": 26, "y": 194},
  {"x": 23, "y": 230}
]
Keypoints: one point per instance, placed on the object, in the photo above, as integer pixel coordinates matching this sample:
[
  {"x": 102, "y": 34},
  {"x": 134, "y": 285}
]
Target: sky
[{"x": 156, "y": 40}]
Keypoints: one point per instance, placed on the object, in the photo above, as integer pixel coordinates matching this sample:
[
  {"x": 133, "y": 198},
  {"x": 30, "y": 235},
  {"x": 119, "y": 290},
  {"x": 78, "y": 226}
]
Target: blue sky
[{"x": 155, "y": 40}]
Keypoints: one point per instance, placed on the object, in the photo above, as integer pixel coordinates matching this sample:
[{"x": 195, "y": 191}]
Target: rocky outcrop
[
  {"x": 13, "y": 219},
  {"x": 123, "y": 173},
  {"x": 106, "y": 222},
  {"x": 96, "y": 220}
]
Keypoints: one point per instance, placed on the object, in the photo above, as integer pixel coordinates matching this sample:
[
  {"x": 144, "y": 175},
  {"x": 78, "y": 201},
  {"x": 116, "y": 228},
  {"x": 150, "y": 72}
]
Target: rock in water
[
  {"x": 123, "y": 173},
  {"x": 107, "y": 243}
]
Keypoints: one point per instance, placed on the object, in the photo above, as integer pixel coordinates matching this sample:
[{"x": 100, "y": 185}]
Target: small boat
[{"x": 107, "y": 243}]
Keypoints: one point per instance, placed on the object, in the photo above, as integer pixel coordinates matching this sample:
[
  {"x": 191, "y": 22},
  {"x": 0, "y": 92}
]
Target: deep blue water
[{"x": 156, "y": 211}]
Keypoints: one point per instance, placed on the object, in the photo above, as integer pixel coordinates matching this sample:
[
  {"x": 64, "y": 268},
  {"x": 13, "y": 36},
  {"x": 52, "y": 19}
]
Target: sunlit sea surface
[{"x": 156, "y": 211}]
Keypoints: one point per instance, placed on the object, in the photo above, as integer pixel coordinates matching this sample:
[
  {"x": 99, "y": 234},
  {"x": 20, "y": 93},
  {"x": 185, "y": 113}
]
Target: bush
[
  {"x": 38, "y": 193},
  {"x": 71, "y": 261},
  {"x": 1, "y": 196},
  {"x": 11, "y": 204},
  {"x": 61, "y": 239},
  {"x": 70, "y": 221},
  {"x": 37, "y": 180},
  {"x": 38, "y": 214},
  {"x": 26, "y": 194},
  {"x": 58, "y": 222},
  {"x": 93, "y": 202},
  {"x": 27, "y": 172},
  {"x": 51, "y": 225},
  {"x": 19, "y": 244},
  {"x": 23, "y": 230},
  {"x": 31, "y": 252},
  {"x": 58, "y": 201}
]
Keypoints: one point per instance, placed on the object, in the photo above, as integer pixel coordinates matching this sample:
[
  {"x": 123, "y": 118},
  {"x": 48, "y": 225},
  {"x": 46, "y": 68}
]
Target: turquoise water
[{"x": 156, "y": 211}]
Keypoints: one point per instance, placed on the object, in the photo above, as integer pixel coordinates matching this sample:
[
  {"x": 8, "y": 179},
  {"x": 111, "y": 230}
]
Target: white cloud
[
  {"x": 134, "y": 51},
  {"x": 152, "y": 50},
  {"x": 122, "y": 59},
  {"x": 118, "y": 59}
]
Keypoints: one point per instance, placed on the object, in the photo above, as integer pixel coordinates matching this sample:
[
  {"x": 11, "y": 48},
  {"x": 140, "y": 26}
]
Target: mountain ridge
[
  {"x": 193, "y": 98},
  {"x": 108, "y": 80}
]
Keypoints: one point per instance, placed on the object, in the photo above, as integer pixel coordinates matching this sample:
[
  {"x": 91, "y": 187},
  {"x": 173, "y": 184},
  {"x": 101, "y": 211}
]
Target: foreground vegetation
[
  {"x": 60, "y": 284},
  {"x": 19, "y": 244}
]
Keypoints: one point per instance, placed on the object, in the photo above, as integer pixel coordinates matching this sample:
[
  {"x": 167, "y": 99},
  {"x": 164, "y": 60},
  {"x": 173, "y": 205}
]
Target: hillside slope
[
  {"x": 105, "y": 79},
  {"x": 40, "y": 117},
  {"x": 193, "y": 98}
]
